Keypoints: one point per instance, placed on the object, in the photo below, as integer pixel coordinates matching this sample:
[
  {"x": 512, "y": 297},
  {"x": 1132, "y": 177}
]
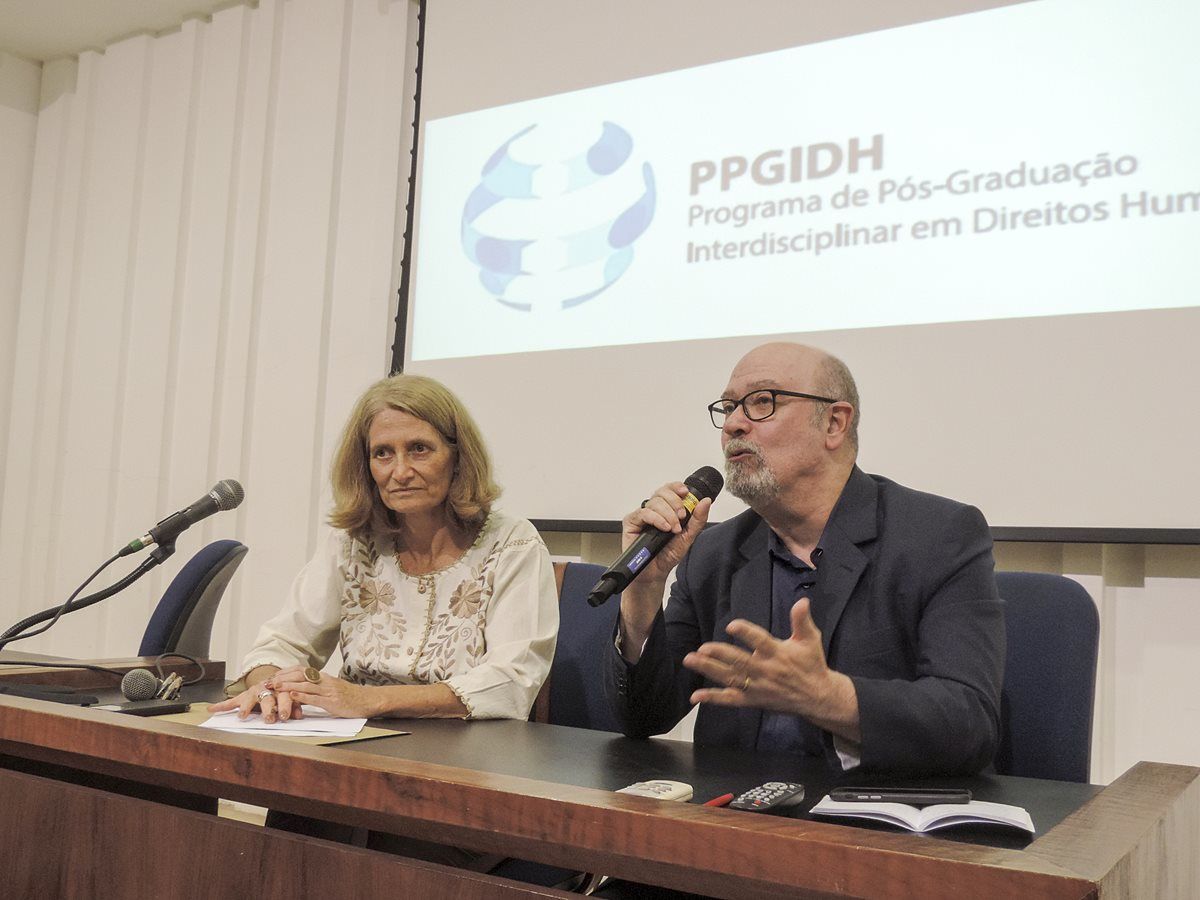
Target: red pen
[{"x": 723, "y": 800}]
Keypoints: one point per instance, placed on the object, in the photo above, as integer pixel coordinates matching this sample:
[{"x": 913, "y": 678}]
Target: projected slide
[{"x": 1031, "y": 160}]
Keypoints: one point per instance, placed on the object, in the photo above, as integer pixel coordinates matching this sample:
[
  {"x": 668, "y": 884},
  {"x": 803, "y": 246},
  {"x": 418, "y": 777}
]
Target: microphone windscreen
[
  {"x": 229, "y": 494},
  {"x": 705, "y": 482},
  {"x": 139, "y": 684}
]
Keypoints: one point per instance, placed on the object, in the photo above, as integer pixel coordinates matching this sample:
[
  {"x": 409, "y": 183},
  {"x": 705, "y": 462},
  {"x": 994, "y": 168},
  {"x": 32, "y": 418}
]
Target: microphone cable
[
  {"x": 14, "y": 633},
  {"x": 69, "y": 664},
  {"x": 195, "y": 662},
  {"x": 65, "y": 664}
]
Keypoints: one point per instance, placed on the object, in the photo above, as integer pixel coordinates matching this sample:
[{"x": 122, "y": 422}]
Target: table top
[
  {"x": 598, "y": 759},
  {"x": 547, "y": 793},
  {"x": 607, "y": 761}
]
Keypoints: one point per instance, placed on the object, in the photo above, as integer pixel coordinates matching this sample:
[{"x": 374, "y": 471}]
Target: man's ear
[{"x": 837, "y": 427}]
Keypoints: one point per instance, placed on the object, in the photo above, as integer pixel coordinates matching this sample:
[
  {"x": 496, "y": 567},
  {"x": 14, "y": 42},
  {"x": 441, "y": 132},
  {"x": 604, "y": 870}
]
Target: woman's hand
[
  {"x": 300, "y": 684},
  {"x": 260, "y": 694}
]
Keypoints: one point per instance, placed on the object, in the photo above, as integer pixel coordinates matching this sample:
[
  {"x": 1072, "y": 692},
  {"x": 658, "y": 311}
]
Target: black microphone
[
  {"x": 142, "y": 684},
  {"x": 704, "y": 483},
  {"x": 146, "y": 695},
  {"x": 226, "y": 494}
]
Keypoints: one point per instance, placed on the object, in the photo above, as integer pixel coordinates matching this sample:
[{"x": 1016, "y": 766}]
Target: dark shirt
[{"x": 791, "y": 579}]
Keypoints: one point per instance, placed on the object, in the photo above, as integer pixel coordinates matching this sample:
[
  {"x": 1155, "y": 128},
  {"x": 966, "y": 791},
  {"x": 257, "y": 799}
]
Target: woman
[{"x": 441, "y": 606}]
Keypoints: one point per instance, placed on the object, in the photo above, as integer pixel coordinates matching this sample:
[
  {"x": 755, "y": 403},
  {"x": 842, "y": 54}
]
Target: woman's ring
[
  {"x": 312, "y": 675},
  {"x": 264, "y": 693},
  {"x": 746, "y": 684}
]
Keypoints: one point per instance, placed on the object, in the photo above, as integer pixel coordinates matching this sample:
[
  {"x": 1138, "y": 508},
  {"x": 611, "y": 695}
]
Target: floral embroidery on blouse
[
  {"x": 471, "y": 596},
  {"x": 398, "y": 628},
  {"x": 370, "y": 625},
  {"x": 376, "y": 594},
  {"x": 483, "y": 625},
  {"x": 461, "y": 629}
]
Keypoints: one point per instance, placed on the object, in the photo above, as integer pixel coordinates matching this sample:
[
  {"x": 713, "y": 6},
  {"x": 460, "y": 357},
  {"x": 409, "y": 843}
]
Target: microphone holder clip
[{"x": 161, "y": 553}]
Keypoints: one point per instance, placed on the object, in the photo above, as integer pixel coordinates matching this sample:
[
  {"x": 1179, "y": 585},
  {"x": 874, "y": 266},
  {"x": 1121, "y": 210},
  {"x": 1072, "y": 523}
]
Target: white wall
[
  {"x": 19, "y": 82},
  {"x": 207, "y": 283}
]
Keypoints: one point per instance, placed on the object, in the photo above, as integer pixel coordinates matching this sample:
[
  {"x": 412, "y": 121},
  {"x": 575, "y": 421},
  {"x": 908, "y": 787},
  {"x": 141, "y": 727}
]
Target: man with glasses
[{"x": 842, "y": 615}]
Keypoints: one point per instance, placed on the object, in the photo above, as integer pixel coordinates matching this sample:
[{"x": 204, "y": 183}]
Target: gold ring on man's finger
[{"x": 312, "y": 675}]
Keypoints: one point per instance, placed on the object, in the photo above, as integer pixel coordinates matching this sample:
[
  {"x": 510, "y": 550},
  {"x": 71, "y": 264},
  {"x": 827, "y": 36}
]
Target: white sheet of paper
[{"x": 316, "y": 723}]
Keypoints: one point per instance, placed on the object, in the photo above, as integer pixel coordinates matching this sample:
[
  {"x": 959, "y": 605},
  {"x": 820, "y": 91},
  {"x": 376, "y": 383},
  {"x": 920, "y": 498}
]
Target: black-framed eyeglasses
[{"x": 757, "y": 405}]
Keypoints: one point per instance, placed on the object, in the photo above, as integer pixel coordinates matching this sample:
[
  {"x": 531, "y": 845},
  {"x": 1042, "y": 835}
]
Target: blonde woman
[{"x": 441, "y": 605}]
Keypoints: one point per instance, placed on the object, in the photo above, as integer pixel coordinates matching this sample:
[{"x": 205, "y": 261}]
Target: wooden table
[{"x": 100, "y": 804}]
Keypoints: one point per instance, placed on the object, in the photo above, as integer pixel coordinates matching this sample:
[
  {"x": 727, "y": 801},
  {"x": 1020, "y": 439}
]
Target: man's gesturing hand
[{"x": 787, "y": 676}]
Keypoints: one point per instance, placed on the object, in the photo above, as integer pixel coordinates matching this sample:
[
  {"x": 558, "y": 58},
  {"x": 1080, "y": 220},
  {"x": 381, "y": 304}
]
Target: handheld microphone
[
  {"x": 226, "y": 494},
  {"x": 146, "y": 695},
  {"x": 142, "y": 684},
  {"x": 704, "y": 483}
]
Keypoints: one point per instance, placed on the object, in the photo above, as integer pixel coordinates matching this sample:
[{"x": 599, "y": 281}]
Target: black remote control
[{"x": 770, "y": 797}]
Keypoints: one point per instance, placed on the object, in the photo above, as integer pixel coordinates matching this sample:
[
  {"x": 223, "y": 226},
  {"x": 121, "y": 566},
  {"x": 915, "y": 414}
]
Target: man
[{"x": 842, "y": 615}]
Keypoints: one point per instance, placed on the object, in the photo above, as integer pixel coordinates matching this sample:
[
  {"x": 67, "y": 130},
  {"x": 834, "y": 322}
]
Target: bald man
[{"x": 842, "y": 616}]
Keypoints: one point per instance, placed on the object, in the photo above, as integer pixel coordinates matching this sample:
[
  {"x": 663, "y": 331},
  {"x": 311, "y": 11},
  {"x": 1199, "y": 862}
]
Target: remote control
[
  {"x": 770, "y": 797},
  {"x": 659, "y": 790}
]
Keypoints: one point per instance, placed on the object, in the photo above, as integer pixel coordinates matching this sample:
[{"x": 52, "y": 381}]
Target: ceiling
[{"x": 48, "y": 29}]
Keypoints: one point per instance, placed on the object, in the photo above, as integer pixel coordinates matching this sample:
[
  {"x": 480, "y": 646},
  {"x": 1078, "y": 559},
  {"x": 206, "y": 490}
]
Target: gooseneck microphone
[
  {"x": 226, "y": 494},
  {"x": 705, "y": 482}
]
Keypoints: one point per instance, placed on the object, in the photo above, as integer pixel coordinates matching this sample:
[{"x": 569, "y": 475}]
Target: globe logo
[{"x": 554, "y": 218}]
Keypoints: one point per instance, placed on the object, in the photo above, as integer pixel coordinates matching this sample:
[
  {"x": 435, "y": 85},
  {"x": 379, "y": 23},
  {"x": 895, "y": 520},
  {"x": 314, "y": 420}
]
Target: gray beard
[{"x": 751, "y": 482}]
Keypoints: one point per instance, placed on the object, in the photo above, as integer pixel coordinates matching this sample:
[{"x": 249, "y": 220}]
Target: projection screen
[{"x": 990, "y": 211}]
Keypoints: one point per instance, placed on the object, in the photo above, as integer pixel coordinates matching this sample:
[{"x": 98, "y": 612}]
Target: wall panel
[
  {"x": 96, "y": 364},
  {"x": 20, "y": 81},
  {"x": 157, "y": 249},
  {"x": 206, "y": 284}
]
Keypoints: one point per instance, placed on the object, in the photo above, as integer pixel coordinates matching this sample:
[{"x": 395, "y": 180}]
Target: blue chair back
[
  {"x": 585, "y": 636},
  {"x": 1049, "y": 689},
  {"x": 572, "y": 694},
  {"x": 182, "y": 621}
]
